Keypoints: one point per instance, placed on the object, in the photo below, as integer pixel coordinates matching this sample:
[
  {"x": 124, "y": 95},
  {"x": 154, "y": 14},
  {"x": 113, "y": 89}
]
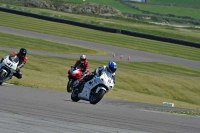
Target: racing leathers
[
  {"x": 84, "y": 66},
  {"x": 22, "y": 62}
]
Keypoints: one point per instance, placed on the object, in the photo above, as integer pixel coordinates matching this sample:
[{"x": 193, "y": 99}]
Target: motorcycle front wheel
[
  {"x": 95, "y": 98},
  {"x": 74, "y": 95},
  {"x": 2, "y": 74},
  {"x": 69, "y": 88}
]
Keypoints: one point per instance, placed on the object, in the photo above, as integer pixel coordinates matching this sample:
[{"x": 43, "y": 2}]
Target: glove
[
  {"x": 92, "y": 73},
  {"x": 83, "y": 73}
]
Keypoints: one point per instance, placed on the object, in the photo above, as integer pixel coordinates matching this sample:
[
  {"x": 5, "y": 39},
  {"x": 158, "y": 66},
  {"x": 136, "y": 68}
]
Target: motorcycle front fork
[{"x": 9, "y": 76}]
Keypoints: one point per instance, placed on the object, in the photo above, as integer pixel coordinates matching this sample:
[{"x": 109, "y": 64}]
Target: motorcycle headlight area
[{"x": 10, "y": 65}]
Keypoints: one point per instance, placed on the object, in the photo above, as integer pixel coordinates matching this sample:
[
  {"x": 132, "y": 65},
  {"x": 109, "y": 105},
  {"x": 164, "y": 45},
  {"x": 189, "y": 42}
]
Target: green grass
[
  {"x": 15, "y": 41},
  {"x": 114, "y": 39},
  {"x": 177, "y": 2},
  {"x": 119, "y": 23},
  {"x": 164, "y": 10},
  {"x": 131, "y": 84}
]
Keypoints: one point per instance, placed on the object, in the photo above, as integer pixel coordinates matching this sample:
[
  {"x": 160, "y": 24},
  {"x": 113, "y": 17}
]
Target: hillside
[{"x": 184, "y": 12}]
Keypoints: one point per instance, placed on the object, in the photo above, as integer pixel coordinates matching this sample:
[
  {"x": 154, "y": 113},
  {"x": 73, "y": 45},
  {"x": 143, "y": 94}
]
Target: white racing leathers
[
  {"x": 98, "y": 71},
  {"x": 94, "y": 89}
]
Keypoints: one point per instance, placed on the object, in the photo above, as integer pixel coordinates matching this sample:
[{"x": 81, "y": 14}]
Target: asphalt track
[{"x": 31, "y": 110}]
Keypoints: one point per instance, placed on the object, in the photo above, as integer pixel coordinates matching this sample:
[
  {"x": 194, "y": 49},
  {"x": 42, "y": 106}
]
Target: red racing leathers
[{"x": 84, "y": 66}]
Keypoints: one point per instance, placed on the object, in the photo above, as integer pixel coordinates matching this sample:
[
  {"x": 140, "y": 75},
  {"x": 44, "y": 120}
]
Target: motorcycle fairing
[
  {"x": 9, "y": 66},
  {"x": 105, "y": 79},
  {"x": 77, "y": 73},
  {"x": 85, "y": 94}
]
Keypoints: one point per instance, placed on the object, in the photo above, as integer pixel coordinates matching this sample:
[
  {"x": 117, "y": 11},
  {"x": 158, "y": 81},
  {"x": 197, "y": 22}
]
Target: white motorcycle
[
  {"x": 94, "y": 89},
  {"x": 7, "y": 67}
]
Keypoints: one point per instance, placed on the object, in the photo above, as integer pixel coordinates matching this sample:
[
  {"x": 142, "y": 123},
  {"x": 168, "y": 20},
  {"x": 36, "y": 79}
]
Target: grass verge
[
  {"x": 191, "y": 113},
  {"x": 15, "y": 41}
]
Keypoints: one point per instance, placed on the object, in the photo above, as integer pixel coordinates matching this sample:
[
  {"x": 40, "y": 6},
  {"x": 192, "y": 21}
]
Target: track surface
[
  {"x": 35, "y": 110},
  {"x": 24, "y": 109}
]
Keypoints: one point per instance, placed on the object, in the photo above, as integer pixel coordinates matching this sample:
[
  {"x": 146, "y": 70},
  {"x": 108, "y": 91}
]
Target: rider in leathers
[
  {"x": 22, "y": 61},
  {"x": 83, "y": 63},
  {"x": 111, "y": 68}
]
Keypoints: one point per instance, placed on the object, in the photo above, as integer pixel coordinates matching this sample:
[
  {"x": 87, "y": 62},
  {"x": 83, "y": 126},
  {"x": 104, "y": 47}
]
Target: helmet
[
  {"x": 83, "y": 58},
  {"x": 22, "y": 52},
  {"x": 112, "y": 67}
]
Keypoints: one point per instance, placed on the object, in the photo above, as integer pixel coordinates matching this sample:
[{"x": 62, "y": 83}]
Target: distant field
[
  {"x": 32, "y": 24},
  {"x": 138, "y": 26},
  {"x": 146, "y": 9},
  {"x": 111, "y": 2},
  {"x": 178, "y": 2},
  {"x": 116, "y": 4},
  {"x": 164, "y": 10}
]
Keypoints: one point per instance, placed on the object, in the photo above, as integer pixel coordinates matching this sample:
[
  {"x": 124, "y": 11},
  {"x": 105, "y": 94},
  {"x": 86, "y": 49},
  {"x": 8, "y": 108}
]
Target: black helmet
[{"x": 22, "y": 52}]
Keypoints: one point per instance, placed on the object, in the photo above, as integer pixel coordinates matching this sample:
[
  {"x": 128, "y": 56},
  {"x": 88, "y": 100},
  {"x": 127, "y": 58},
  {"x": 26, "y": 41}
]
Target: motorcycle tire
[
  {"x": 74, "y": 95},
  {"x": 2, "y": 74},
  {"x": 95, "y": 98},
  {"x": 69, "y": 88}
]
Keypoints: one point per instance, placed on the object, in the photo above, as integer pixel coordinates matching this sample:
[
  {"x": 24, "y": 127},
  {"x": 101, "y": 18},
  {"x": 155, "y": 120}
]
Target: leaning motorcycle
[
  {"x": 74, "y": 74},
  {"x": 94, "y": 89},
  {"x": 7, "y": 67}
]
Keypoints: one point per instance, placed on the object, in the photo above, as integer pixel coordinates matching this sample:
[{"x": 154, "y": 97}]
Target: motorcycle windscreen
[{"x": 14, "y": 59}]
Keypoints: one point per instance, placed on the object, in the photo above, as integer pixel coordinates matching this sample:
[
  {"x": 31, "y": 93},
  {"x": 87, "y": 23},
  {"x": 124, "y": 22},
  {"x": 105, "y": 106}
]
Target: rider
[
  {"x": 22, "y": 61},
  {"x": 111, "y": 68},
  {"x": 83, "y": 63}
]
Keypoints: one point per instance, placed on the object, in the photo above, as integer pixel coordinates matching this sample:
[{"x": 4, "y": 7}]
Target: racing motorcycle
[
  {"x": 94, "y": 89},
  {"x": 7, "y": 67},
  {"x": 74, "y": 75}
]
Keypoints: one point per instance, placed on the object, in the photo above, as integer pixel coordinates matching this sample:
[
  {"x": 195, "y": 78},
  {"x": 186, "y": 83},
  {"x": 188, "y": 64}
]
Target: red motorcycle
[{"x": 74, "y": 74}]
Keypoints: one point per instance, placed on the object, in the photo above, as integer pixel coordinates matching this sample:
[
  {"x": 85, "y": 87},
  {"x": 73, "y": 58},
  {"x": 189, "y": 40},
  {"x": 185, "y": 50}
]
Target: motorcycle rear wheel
[{"x": 95, "y": 98}]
